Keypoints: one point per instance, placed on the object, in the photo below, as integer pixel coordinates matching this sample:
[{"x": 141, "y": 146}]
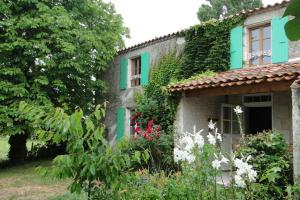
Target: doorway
[{"x": 259, "y": 119}]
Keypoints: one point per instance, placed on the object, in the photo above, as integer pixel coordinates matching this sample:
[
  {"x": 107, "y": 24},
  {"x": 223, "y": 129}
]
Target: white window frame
[{"x": 130, "y": 77}]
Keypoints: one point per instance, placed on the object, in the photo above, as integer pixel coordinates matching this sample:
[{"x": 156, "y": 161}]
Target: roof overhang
[{"x": 260, "y": 79}]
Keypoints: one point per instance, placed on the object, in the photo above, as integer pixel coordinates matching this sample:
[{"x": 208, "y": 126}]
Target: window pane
[
  {"x": 255, "y": 34},
  {"x": 267, "y": 51},
  {"x": 227, "y": 113},
  {"x": 226, "y": 127},
  {"x": 267, "y": 32}
]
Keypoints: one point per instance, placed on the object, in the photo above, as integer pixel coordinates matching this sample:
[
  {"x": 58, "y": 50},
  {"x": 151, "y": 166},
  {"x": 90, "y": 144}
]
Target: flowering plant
[
  {"x": 201, "y": 153},
  {"x": 152, "y": 131}
]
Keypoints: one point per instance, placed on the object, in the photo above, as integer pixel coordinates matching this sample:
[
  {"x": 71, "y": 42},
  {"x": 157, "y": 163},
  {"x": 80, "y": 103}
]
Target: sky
[{"x": 147, "y": 19}]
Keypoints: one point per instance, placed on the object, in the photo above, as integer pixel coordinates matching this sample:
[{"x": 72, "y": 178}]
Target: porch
[{"x": 269, "y": 96}]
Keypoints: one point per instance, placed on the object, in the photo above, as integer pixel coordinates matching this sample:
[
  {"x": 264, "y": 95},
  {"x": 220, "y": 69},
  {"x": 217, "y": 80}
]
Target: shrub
[{"x": 272, "y": 161}]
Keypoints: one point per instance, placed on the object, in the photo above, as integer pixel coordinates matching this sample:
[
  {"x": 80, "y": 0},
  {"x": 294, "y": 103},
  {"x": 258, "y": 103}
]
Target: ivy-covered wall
[{"x": 207, "y": 47}]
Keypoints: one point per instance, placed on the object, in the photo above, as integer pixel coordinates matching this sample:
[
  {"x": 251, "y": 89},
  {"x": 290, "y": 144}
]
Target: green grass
[{"x": 23, "y": 182}]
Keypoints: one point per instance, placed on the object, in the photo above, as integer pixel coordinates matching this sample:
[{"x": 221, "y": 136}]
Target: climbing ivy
[
  {"x": 156, "y": 103},
  {"x": 207, "y": 47}
]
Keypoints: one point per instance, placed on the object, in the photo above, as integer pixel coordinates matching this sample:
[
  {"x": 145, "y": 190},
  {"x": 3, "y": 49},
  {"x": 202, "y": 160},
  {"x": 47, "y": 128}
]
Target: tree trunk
[{"x": 18, "y": 150}]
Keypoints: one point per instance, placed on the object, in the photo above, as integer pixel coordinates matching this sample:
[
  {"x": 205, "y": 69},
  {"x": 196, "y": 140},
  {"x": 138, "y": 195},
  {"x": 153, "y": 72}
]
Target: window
[
  {"x": 135, "y": 79},
  {"x": 230, "y": 123},
  {"x": 260, "y": 45}
]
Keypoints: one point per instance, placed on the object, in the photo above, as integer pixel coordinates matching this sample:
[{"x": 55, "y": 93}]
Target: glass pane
[
  {"x": 267, "y": 51},
  {"x": 235, "y": 128},
  {"x": 254, "y": 34},
  {"x": 227, "y": 113},
  {"x": 267, "y": 32},
  {"x": 226, "y": 127}
]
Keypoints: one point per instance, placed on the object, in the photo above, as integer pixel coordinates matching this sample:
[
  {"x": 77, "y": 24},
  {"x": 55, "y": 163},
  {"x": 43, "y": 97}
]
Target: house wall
[
  {"x": 197, "y": 111},
  {"x": 263, "y": 18},
  {"x": 125, "y": 98}
]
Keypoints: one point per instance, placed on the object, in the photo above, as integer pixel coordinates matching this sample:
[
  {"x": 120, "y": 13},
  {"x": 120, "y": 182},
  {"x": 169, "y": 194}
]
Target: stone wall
[{"x": 125, "y": 98}]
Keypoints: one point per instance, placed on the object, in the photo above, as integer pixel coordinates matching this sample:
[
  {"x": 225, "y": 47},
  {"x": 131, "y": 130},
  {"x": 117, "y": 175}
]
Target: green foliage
[
  {"x": 293, "y": 26},
  {"x": 272, "y": 161},
  {"x": 156, "y": 103},
  {"x": 217, "y": 9},
  {"x": 49, "y": 52},
  {"x": 93, "y": 164},
  {"x": 160, "y": 153},
  {"x": 205, "y": 74},
  {"x": 207, "y": 47}
]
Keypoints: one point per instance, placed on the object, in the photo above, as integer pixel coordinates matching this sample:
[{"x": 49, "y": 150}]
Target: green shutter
[
  {"x": 123, "y": 74},
  {"x": 121, "y": 122},
  {"x": 280, "y": 43},
  {"x": 236, "y": 48},
  {"x": 145, "y": 59}
]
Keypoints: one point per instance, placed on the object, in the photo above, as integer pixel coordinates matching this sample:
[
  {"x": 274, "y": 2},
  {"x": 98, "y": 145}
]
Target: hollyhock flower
[
  {"x": 145, "y": 134},
  {"x": 151, "y": 138},
  {"x": 238, "y": 110},
  {"x": 158, "y": 135},
  {"x": 158, "y": 128}
]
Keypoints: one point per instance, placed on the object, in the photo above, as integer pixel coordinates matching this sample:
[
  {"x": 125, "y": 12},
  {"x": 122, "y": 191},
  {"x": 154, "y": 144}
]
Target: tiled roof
[
  {"x": 245, "y": 76},
  {"x": 181, "y": 32}
]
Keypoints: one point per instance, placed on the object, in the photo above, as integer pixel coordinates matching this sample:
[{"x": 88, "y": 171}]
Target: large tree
[
  {"x": 216, "y": 9},
  {"x": 51, "y": 53}
]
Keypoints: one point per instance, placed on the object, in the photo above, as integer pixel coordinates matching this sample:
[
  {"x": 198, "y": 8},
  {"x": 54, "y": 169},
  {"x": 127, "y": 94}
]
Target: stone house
[{"x": 264, "y": 78}]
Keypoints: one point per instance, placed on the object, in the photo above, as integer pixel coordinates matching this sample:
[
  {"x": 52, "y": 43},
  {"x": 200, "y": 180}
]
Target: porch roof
[{"x": 245, "y": 76}]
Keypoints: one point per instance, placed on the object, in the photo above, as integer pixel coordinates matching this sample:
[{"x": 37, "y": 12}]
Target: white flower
[
  {"x": 238, "y": 110},
  {"x": 177, "y": 155},
  {"x": 211, "y": 125},
  {"x": 239, "y": 181},
  {"x": 218, "y": 135},
  {"x": 199, "y": 141},
  {"x": 39, "y": 62},
  {"x": 190, "y": 158},
  {"x": 211, "y": 139},
  {"x": 252, "y": 175},
  {"x": 216, "y": 164},
  {"x": 224, "y": 160},
  {"x": 188, "y": 143}
]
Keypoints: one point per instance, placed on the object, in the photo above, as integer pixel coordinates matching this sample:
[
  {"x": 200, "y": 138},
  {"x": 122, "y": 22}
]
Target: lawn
[{"x": 24, "y": 183}]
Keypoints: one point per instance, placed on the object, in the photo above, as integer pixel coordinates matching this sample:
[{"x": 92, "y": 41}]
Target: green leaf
[{"x": 293, "y": 26}]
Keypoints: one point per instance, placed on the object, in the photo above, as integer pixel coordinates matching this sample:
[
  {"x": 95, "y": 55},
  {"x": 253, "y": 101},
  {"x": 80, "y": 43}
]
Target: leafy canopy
[
  {"x": 292, "y": 27},
  {"x": 216, "y": 9},
  {"x": 52, "y": 53}
]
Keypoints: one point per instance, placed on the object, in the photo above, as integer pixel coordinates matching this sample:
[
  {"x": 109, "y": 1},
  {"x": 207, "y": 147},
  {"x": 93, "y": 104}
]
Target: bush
[{"x": 271, "y": 159}]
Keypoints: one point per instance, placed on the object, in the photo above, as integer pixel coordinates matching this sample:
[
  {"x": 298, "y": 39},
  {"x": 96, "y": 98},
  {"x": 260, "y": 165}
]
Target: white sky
[{"x": 148, "y": 19}]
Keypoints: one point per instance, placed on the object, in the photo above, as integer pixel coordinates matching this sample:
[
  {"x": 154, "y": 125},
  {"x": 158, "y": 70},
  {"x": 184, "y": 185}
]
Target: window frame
[
  {"x": 135, "y": 74},
  {"x": 261, "y": 43}
]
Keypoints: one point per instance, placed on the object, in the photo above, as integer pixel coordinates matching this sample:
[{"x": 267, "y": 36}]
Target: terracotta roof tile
[{"x": 249, "y": 75}]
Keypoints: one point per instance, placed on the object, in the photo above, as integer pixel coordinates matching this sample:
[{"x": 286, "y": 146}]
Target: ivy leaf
[{"x": 292, "y": 27}]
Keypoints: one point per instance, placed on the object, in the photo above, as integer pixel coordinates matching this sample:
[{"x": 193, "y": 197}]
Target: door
[{"x": 229, "y": 128}]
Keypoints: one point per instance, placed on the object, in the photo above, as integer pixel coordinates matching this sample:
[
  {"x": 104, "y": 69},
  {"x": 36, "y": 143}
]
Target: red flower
[
  {"x": 158, "y": 135},
  {"x": 158, "y": 128},
  {"x": 150, "y": 138},
  {"x": 145, "y": 134}
]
